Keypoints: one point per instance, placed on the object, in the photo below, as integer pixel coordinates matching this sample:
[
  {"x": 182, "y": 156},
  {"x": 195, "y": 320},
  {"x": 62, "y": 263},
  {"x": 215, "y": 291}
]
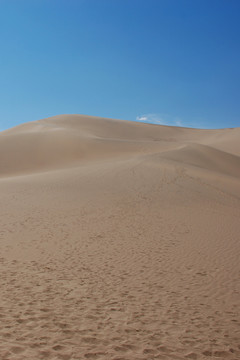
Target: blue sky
[{"x": 173, "y": 62}]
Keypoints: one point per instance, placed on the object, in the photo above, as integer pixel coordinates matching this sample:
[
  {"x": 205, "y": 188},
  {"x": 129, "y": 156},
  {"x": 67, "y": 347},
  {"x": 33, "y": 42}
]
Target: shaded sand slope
[
  {"x": 226, "y": 140},
  {"x": 207, "y": 158},
  {"x": 119, "y": 240}
]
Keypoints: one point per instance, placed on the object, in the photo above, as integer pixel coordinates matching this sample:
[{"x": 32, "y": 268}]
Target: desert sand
[{"x": 119, "y": 240}]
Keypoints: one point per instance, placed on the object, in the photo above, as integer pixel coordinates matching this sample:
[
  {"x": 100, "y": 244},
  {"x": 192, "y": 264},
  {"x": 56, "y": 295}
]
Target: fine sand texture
[{"x": 119, "y": 241}]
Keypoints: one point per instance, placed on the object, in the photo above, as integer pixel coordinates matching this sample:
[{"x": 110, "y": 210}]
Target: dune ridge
[{"x": 119, "y": 240}]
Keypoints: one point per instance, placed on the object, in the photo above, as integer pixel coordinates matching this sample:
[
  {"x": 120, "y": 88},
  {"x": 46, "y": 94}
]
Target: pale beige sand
[{"x": 119, "y": 240}]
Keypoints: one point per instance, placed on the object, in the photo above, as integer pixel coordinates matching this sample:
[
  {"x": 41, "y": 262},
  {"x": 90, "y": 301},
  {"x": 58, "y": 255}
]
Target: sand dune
[
  {"x": 119, "y": 240},
  {"x": 69, "y": 140}
]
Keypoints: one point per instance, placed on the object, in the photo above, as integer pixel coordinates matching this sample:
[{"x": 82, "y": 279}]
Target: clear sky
[{"x": 173, "y": 62}]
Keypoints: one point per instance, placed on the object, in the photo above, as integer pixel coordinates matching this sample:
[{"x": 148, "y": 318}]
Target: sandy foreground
[{"x": 119, "y": 240}]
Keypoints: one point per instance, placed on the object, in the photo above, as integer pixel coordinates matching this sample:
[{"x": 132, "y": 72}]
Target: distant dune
[
  {"x": 119, "y": 240},
  {"x": 68, "y": 140}
]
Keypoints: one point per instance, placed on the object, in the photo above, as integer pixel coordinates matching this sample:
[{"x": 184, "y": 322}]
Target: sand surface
[{"x": 119, "y": 240}]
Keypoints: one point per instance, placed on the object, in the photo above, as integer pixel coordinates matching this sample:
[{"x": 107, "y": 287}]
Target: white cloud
[
  {"x": 178, "y": 122},
  {"x": 150, "y": 118},
  {"x": 160, "y": 119},
  {"x": 141, "y": 118}
]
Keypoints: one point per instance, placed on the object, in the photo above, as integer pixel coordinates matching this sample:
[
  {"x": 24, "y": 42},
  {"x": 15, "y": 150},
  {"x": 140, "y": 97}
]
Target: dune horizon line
[{"x": 147, "y": 122}]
